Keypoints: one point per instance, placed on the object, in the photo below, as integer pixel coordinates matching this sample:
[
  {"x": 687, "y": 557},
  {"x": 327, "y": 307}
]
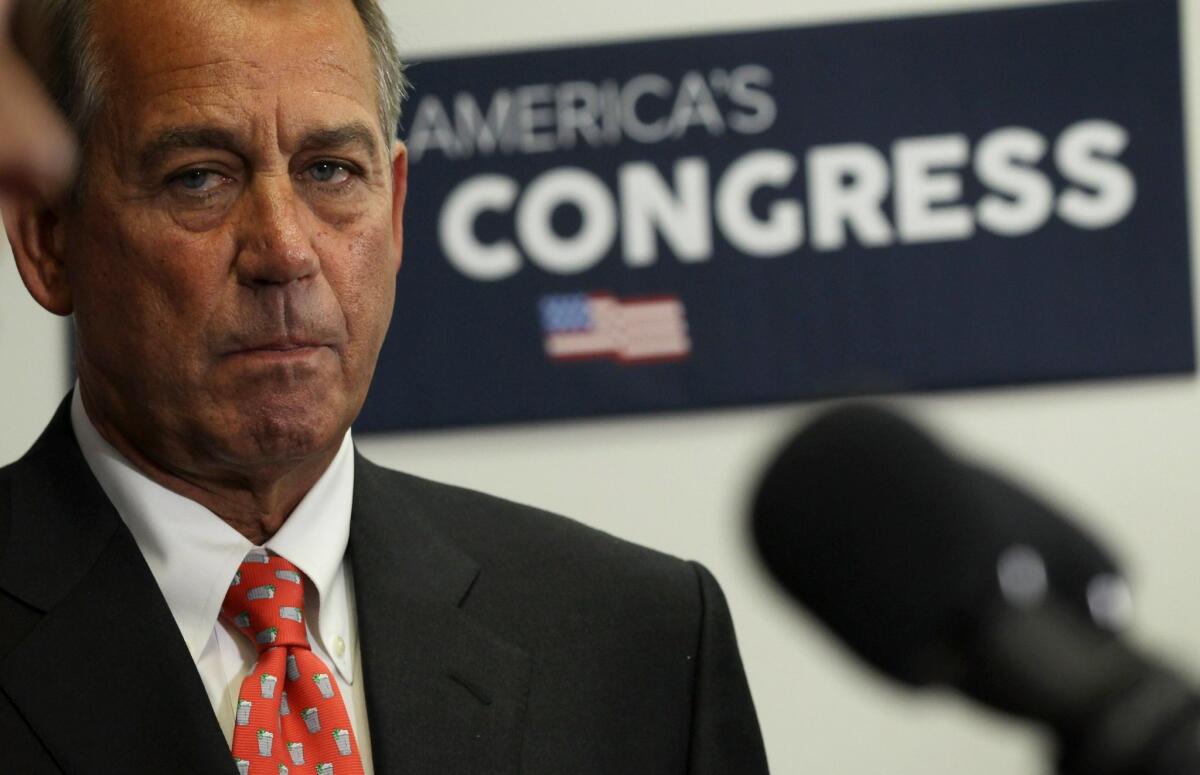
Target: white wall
[
  {"x": 1119, "y": 454},
  {"x": 33, "y": 362}
]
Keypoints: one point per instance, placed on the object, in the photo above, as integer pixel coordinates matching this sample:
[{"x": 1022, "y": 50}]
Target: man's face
[{"x": 232, "y": 263}]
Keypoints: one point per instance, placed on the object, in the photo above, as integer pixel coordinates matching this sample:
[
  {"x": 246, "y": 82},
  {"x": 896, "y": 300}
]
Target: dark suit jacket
[{"x": 495, "y": 639}]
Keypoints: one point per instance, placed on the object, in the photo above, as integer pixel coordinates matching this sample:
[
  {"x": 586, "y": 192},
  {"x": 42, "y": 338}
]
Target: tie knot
[{"x": 266, "y": 601}]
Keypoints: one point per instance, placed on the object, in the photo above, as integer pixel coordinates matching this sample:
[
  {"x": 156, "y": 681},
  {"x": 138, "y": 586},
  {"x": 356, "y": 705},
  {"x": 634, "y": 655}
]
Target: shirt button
[{"x": 339, "y": 646}]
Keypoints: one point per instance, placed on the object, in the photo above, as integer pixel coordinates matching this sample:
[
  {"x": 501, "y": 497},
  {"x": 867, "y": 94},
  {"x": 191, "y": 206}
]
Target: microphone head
[{"x": 901, "y": 549}]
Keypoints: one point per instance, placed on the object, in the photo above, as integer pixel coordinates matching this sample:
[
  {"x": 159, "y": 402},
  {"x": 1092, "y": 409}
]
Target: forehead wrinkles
[
  {"x": 181, "y": 40},
  {"x": 236, "y": 63},
  {"x": 227, "y": 81},
  {"x": 233, "y": 73},
  {"x": 242, "y": 95}
]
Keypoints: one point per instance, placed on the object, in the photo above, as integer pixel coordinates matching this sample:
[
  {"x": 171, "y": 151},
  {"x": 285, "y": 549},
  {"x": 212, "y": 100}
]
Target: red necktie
[{"x": 290, "y": 716}]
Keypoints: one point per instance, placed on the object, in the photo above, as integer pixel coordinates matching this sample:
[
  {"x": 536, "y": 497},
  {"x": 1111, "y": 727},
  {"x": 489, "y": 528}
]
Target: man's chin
[
  {"x": 283, "y": 425},
  {"x": 271, "y": 442},
  {"x": 276, "y": 383}
]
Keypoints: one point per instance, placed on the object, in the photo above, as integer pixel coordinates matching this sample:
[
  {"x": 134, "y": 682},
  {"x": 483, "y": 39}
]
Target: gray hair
[
  {"x": 391, "y": 85},
  {"x": 75, "y": 75}
]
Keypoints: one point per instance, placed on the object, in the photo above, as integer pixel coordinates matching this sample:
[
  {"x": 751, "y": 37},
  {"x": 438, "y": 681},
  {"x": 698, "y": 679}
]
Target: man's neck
[{"x": 254, "y": 504}]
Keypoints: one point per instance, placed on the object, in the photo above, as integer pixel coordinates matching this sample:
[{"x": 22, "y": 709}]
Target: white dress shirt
[{"x": 193, "y": 555}]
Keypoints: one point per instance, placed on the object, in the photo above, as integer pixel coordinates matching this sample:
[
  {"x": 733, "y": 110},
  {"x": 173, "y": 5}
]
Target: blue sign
[{"x": 938, "y": 202}]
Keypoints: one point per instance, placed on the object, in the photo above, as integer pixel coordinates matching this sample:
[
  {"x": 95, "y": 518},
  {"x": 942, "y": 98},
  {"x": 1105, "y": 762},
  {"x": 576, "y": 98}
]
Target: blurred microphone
[{"x": 937, "y": 571}]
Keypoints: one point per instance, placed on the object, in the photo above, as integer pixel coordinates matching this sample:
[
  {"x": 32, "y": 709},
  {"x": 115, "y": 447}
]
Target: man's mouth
[
  {"x": 278, "y": 348},
  {"x": 285, "y": 346}
]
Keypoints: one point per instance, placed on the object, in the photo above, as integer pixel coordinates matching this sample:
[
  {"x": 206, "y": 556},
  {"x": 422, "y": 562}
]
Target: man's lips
[{"x": 279, "y": 347}]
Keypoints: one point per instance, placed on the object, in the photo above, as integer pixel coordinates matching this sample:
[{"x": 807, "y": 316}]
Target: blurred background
[{"x": 1120, "y": 454}]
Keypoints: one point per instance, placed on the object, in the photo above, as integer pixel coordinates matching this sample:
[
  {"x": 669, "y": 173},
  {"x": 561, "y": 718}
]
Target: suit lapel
[
  {"x": 104, "y": 679},
  {"x": 106, "y": 682},
  {"x": 444, "y": 694}
]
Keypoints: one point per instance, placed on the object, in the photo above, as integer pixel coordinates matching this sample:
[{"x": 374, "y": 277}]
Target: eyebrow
[
  {"x": 354, "y": 133},
  {"x": 155, "y": 151}
]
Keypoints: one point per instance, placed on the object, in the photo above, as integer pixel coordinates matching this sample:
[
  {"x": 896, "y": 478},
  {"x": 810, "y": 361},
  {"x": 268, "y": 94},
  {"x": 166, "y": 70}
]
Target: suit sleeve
[{"x": 725, "y": 737}]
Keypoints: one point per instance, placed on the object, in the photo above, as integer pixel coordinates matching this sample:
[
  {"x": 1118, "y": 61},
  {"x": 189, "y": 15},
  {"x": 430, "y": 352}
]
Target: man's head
[
  {"x": 230, "y": 254},
  {"x": 74, "y": 71}
]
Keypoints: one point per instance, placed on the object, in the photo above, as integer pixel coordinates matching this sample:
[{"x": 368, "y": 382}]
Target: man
[{"x": 228, "y": 254}]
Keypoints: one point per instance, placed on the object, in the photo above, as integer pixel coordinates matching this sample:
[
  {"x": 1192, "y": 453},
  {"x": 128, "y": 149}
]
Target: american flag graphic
[{"x": 591, "y": 326}]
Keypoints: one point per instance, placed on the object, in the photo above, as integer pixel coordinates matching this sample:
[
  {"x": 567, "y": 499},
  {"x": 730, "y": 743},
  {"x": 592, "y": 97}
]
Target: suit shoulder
[
  {"x": 14, "y": 472},
  {"x": 18, "y": 467},
  {"x": 525, "y": 540},
  {"x": 6, "y": 475}
]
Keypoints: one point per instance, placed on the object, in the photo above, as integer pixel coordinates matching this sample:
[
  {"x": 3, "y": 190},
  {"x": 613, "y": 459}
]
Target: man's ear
[
  {"x": 36, "y": 234},
  {"x": 399, "y": 193}
]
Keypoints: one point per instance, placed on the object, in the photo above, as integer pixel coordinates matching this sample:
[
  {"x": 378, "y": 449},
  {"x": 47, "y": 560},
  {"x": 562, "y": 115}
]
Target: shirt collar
[{"x": 193, "y": 553}]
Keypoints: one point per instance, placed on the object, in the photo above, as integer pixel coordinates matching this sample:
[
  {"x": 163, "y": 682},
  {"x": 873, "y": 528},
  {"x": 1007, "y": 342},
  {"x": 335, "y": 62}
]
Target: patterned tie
[{"x": 290, "y": 716}]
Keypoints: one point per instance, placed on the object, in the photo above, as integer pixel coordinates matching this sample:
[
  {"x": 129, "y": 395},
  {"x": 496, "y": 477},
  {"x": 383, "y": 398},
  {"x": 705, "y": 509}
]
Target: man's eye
[
  {"x": 198, "y": 181},
  {"x": 329, "y": 172}
]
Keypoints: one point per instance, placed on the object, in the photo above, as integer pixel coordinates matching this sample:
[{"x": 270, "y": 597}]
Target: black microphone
[{"x": 937, "y": 571}]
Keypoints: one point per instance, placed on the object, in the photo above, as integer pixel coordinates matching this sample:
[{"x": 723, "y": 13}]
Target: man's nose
[{"x": 276, "y": 244}]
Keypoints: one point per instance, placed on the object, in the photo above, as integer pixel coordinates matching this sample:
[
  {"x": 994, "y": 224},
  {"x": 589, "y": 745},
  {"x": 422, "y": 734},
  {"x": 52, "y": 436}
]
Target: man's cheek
[
  {"x": 189, "y": 273},
  {"x": 369, "y": 269}
]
